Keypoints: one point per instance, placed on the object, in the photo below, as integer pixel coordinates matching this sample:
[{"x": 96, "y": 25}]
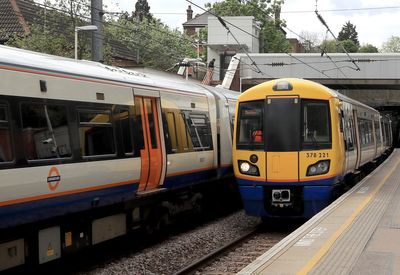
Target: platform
[{"x": 359, "y": 233}]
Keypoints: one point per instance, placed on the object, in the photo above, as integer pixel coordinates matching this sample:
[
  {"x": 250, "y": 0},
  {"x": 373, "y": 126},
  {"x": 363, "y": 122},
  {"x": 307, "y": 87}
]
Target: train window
[
  {"x": 96, "y": 133},
  {"x": 198, "y": 125},
  {"x": 122, "y": 120},
  {"x": 316, "y": 131},
  {"x": 6, "y": 154},
  {"x": 377, "y": 133},
  {"x": 171, "y": 131},
  {"x": 152, "y": 123},
  {"x": 250, "y": 120},
  {"x": 45, "y": 131}
]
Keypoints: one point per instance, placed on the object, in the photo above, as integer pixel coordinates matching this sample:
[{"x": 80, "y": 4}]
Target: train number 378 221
[{"x": 315, "y": 155}]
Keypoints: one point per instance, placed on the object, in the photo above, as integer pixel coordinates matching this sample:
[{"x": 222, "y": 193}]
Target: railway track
[{"x": 234, "y": 256}]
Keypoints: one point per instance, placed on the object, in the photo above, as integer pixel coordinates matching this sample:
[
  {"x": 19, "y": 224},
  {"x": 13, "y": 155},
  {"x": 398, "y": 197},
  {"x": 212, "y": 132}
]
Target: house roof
[
  {"x": 200, "y": 20},
  {"x": 16, "y": 15}
]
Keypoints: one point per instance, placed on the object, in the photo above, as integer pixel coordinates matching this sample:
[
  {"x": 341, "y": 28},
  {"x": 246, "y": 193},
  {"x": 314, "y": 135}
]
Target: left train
[{"x": 89, "y": 152}]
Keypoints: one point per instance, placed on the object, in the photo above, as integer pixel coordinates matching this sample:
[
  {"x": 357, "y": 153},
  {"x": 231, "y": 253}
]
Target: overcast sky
[{"x": 374, "y": 26}]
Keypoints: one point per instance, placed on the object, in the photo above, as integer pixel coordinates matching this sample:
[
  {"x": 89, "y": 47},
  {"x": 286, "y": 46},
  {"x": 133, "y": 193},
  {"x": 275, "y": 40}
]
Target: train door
[
  {"x": 357, "y": 139},
  {"x": 153, "y": 154},
  {"x": 282, "y": 149}
]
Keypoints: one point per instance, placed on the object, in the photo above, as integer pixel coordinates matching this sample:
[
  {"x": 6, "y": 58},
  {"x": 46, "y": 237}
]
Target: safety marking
[
  {"x": 54, "y": 178},
  {"x": 363, "y": 190},
  {"x": 310, "y": 237},
  {"x": 328, "y": 244}
]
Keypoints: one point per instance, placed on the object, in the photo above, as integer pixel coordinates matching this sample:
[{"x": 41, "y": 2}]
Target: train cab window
[
  {"x": 6, "y": 154},
  {"x": 250, "y": 125},
  {"x": 45, "y": 131},
  {"x": 316, "y": 131},
  {"x": 96, "y": 133}
]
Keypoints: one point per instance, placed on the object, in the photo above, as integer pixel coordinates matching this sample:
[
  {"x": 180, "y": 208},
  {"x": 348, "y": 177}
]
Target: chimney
[{"x": 189, "y": 13}]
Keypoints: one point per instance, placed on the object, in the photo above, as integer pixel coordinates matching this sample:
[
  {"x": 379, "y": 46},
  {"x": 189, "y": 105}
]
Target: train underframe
[{"x": 52, "y": 239}]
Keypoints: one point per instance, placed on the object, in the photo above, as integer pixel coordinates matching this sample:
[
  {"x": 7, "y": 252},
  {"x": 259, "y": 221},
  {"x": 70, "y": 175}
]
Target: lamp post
[{"x": 82, "y": 28}]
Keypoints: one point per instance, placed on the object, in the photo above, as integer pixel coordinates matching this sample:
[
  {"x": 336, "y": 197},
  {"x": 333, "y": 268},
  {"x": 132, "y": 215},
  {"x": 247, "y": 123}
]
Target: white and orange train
[{"x": 88, "y": 151}]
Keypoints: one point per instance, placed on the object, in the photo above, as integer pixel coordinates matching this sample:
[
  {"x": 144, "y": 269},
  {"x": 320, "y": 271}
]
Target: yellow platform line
[{"x": 328, "y": 244}]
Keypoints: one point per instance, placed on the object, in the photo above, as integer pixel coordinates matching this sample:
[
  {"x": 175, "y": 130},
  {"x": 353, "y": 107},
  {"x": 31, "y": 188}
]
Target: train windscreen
[
  {"x": 250, "y": 125},
  {"x": 316, "y": 129},
  {"x": 284, "y": 124}
]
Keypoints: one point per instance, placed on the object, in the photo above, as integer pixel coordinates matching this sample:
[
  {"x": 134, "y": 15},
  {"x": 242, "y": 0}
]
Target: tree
[
  {"x": 310, "y": 41},
  {"x": 52, "y": 30},
  {"x": 329, "y": 46},
  {"x": 272, "y": 38},
  {"x": 349, "y": 45},
  {"x": 142, "y": 10},
  {"x": 157, "y": 45},
  {"x": 368, "y": 48},
  {"x": 392, "y": 45},
  {"x": 348, "y": 32}
]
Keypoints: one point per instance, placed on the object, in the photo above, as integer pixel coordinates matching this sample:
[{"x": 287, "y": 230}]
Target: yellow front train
[{"x": 290, "y": 148}]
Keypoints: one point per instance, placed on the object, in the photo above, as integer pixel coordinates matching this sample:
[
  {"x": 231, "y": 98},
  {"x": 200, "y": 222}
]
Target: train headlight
[
  {"x": 248, "y": 169},
  {"x": 319, "y": 168}
]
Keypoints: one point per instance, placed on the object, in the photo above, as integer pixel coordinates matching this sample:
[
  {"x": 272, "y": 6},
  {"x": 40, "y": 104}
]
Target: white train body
[{"x": 79, "y": 135}]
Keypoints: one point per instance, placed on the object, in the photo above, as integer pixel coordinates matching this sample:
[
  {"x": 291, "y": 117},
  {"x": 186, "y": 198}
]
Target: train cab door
[
  {"x": 282, "y": 150},
  {"x": 153, "y": 152},
  {"x": 357, "y": 140}
]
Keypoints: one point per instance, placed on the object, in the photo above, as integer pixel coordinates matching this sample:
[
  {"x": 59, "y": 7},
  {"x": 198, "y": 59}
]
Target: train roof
[
  {"x": 306, "y": 88},
  {"x": 44, "y": 62}
]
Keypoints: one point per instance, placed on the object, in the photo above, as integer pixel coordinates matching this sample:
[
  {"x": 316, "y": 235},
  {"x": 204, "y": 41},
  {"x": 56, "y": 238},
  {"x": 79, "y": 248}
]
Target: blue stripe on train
[
  {"x": 317, "y": 195},
  {"x": 28, "y": 212},
  {"x": 22, "y": 213}
]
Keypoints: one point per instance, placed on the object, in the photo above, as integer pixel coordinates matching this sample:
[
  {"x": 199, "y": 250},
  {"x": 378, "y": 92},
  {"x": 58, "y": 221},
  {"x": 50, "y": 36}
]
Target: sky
[{"x": 374, "y": 26}]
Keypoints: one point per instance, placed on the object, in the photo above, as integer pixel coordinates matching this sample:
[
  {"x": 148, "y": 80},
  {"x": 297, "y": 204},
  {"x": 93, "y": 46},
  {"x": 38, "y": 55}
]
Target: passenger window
[
  {"x": 122, "y": 119},
  {"x": 199, "y": 128},
  {"x": 6, "y": 154},
  {"x": 96, "y": 133},
  {"x": 152, "y": 122},
  {"x": 45, "y": 131},
  {"x": 172, "y": 131}
]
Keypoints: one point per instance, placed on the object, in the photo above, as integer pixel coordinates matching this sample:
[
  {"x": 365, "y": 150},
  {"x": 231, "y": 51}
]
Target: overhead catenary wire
[
  {"x": 323, "y": 22},
  {"x": 224, "y": 24}
]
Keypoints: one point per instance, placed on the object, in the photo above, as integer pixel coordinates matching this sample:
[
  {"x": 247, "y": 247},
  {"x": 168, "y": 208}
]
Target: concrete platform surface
[{"x": 359, "y": 233}]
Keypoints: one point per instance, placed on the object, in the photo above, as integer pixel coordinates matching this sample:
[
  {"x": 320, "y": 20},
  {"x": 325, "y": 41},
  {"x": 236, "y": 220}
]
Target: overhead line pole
[{"x": 97, "y": 37}]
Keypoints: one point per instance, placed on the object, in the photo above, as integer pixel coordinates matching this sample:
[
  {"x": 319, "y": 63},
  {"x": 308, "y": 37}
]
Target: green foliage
[
  {"x": 157, "y": 45},
  {"x": 349, "y": 45},
  {"x": 368, "y": 48},
  {"x": 44, "y": 40},
  {"x": 52, "y": 31},
  {"x": 329, "y": 46},
  {"x": 142, "y": 10},
  {"x": 272, "y": 39},
  {"x": 392, "y": 45},
  {"x": 348, "y": 32}
]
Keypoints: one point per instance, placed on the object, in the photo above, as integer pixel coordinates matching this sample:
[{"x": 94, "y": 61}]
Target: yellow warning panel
[{"x": 68, "y": 239}]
